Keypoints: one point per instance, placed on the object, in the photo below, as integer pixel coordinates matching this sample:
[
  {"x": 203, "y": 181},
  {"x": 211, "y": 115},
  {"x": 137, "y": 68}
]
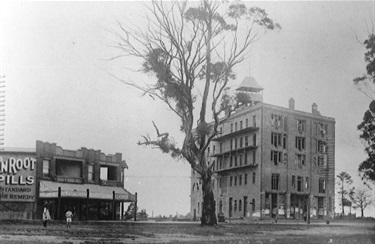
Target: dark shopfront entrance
[{"x": 95, "y": 209}]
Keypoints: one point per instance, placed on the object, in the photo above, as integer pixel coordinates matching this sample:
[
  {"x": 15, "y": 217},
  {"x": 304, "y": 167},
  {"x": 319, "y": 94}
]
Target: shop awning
[{"x": 49, "y": 189}]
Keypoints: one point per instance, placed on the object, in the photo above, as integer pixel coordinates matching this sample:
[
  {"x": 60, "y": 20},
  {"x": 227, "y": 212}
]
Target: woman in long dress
[{"x": 46, "y": 215}]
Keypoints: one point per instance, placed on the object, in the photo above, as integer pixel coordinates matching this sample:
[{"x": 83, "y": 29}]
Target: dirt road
[{"x": 31, "y": 232}]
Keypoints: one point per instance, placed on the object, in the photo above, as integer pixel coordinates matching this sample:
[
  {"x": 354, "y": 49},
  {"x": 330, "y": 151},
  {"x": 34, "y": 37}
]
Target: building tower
[{"x": 252, "y": 88}]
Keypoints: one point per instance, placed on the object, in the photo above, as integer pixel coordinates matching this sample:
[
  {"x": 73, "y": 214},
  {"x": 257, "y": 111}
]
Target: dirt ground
[{"x": 264, "y": 232}]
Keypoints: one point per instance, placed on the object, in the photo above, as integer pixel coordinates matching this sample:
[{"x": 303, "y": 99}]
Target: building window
[
  {"x": 235, "y": 126},
  {"x": 254, "y": 175},
  {"x": 276, "y": 120},
  {"x": 293, "y": 182},
  {"x": 276, "y": 139},
  {"x": 213, "y": 165},
  {"x": 235, "y": 180},
  {"x": 213, "y": 149},
  {"x": 254, "y": 157},
  {"x": 90, "y": 172},
  {"x": 235, "y": 143},
  {"x": 254, "y": 121},
  {"x": 253, "y": 203},
  {"x": 322, "y": 186},
  {"x": 245, "y": 179},
  {"x": 275, "y": 182},
  {"x": 240, "y": 160},
  {"x": 231, "y": 181},
  {"x": 239, "y": 205},
  {"x": 276, "y": 157},
  {"x": 231, "y": 127},
  {"x": 235, "y": 161},
  {"x": 246, "y": 141},
  {"x": 231, "y": 161},
  {"x": 241, "y": 125},
  {"x": 235, "y": 205},
  {"x": 241, "y": 142},
  {"x": 247, "y": 123},
  {"x": 307, "y": 183},
  {"x": 299, "y": 183},
  {"x": 221, "y": 147},
  {"x": 300, "y": 160},
  {"x": 45, "y": 167},
  {"x": 245, "y": 159},
  {"x": 240, "y": 180},
  {"x": 254, "y": 140},
  {"x": 231, "y": 144},
  {"x": 301, "y": 125},
  {"x": 300, "y": 143},
  {"x": 284, "y": 141},
  {"x": 321, "y": 146}
]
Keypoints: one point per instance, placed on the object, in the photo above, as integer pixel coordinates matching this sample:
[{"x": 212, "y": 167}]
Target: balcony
[
  {"x": 111, "y": 183},
  {"x": 66, "y": 179},
  {"x": 220, "y": 171},
  {"x": 234, "y": 151},
  {"x": 236, "y": 133}
]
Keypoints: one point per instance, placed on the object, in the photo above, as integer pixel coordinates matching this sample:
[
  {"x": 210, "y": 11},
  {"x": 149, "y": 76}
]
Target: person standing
[
  {"x": 69, "y": 216},
  {"x": 46, "y": 215}
]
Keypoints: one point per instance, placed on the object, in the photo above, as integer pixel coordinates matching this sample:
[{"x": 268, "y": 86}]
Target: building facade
[
  {"x": 86, "y": 181},
  {"x": 270, "y": 161}
]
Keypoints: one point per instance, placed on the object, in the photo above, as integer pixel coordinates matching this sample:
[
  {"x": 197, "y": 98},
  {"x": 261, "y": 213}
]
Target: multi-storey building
[
  {"x": 86, "y": 181},
  {"x": 271, "y": 161}
]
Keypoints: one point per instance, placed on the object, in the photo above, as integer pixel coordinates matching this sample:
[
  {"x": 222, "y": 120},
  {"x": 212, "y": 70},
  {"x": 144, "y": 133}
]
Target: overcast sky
[{"x": 55, "y": 56}]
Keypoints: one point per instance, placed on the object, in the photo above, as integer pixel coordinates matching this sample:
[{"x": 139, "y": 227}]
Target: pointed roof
[{"x": 250, "y": 84}]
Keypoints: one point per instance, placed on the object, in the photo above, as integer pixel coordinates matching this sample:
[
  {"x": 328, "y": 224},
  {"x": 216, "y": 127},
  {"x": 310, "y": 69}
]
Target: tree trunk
[{"x": 208, "y": 205}]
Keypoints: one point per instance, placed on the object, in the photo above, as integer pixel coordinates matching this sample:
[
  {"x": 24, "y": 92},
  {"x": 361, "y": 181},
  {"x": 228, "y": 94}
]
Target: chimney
[{"x": 291, "y": 103}]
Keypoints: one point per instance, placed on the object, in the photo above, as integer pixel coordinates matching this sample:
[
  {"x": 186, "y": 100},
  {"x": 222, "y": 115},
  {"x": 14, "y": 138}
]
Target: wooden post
[
  {"x": 114, "y": 206},
  {"x": 87, "y": 204},
  {"x": 59, "y": 203},
  {"x": 135, "y": 207}
]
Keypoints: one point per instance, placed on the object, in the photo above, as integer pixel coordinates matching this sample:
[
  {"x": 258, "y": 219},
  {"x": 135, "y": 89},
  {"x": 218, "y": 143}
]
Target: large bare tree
[
  {"x": 184, "y": 48},
  {"x": 361, "y": 199}
]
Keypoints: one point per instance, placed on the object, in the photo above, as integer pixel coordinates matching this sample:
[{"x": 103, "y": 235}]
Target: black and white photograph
[{"x": 205, "y": 121}]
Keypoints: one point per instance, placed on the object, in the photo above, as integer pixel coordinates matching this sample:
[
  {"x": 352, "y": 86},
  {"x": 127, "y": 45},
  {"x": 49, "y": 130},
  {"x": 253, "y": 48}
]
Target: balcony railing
[
  {"x": 235, "y": 133},
  {"x": 66, "y": 179},
  {"x": 234, "y": 151},
  {"x": 111, "y": 183},
  {"x": 236, "y": 168}
]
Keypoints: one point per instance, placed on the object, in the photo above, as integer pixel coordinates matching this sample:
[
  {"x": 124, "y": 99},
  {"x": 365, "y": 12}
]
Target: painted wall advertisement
[{"x": 17, "y": 178}]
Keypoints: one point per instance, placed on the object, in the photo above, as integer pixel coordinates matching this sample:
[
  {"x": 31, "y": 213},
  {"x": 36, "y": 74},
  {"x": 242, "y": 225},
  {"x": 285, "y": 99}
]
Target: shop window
[
  {"x": 46, "y": 168},
  {"x": 275, "y": 182},
  {"x": 300, "y": 143},
  {"x": 90, "y": 172}
]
